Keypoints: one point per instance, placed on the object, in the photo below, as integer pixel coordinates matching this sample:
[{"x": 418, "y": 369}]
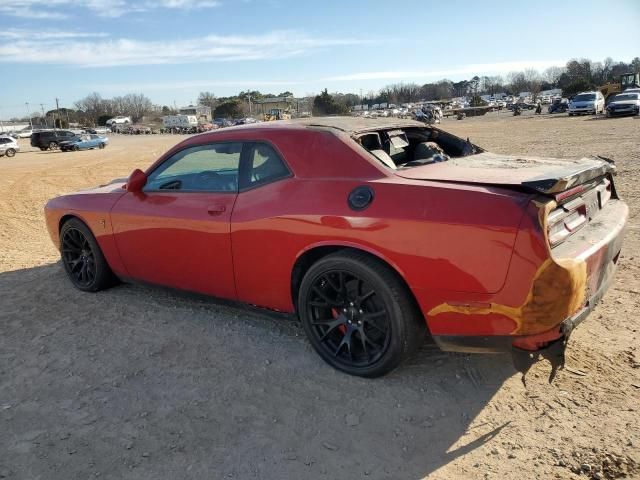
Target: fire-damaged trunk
[
  {"x": 541, "y": 175},
  {"x": 581, "y": 223}
]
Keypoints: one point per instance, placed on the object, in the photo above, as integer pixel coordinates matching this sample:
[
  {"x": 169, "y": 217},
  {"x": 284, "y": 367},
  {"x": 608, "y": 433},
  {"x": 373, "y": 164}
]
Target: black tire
[
  {"x": 53, "y": 145},
  {"x": 10, "y": 152},
  {"x": 348, "y": 300},
  {"x": 101, "y": 145},
  {"x": 79, "y": 248},
  {"x": 43, "y": 149}
]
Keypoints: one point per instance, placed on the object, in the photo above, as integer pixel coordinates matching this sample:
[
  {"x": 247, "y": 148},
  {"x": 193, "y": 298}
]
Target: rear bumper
[{"x": 598, "y": 245}]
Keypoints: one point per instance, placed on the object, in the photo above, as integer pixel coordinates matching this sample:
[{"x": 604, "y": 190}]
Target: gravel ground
[{"x": 136, "y": 383}]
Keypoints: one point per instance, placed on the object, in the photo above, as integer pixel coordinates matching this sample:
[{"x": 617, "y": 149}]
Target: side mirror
[{"x": 137, "y": 180}]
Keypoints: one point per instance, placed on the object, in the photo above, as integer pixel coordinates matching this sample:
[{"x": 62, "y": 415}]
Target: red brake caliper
[{"x": 341, "y": 328}]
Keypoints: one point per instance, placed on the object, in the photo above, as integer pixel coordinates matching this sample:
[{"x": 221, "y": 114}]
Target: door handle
[{"x": 216, "y": 209}]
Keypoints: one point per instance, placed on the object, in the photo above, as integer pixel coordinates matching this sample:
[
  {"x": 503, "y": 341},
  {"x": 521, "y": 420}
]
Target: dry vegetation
[{"x": 140, "y": 383}]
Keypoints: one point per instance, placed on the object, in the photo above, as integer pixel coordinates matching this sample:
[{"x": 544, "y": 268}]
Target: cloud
[
  {"x": 475, "y": 69},
  {"x": 23, "y": 34},
  {"x": 123, "y": 51},
  {"x": 192, "y": 84},
  {"x": 59, "y": 9}
]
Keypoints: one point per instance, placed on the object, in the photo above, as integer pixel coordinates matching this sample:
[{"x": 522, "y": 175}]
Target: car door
[
  {"x": 176, "y": 232},
  {"x": 260, "y": 229}
]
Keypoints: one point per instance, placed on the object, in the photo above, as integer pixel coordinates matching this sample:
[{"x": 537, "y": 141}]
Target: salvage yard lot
[{"x": 141, "y": 383}]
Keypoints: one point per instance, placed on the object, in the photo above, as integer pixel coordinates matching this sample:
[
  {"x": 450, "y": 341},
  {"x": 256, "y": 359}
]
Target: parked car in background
[
  {"x": 84, "y": 142},
  {"x": 311, "y": 217},
  {"x": 8, "y": 146},
  {"x": 222, "y": 122},
  {"x": 98, "y": 130},
  {"x": 50, "y": 139},
  {"x": 245, "y": 121},
  {"x": 559, "y": 105},
  {"x": 115, "y": 121},
  {"x": 587, "y": 102},
  {"x": 626, "y": 103},
  {"x": 24, "y": 133}
]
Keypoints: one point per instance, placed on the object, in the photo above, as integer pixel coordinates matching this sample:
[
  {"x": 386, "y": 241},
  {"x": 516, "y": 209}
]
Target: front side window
[
  {"x": 203, "y": 168},
  {"x": 265, "y": 165}
]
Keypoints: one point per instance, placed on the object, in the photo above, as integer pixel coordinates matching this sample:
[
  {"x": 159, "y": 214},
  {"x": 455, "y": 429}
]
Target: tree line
[{"x": 577, "y": 75}]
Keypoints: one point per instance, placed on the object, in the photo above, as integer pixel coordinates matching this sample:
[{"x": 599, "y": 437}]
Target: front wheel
[
  {"x": 53, "y": 145},
  {"x": 358, "y": 315},
  {"x": 82, "y": 258},
  {"x": 101, "y": 146},
  {"x": 10, "y": 152}
]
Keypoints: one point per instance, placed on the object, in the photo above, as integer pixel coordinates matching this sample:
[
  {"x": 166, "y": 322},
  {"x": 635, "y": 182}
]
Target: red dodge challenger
[{"x": 374, "y": 232}]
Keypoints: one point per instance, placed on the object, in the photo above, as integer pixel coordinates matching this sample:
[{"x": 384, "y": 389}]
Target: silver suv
[{"x": 8, "y": 146}]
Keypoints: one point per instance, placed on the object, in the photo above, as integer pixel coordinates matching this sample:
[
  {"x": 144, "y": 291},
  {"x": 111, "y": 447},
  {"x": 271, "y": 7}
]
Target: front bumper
[
  {"x": 586, "y": 110},
  {"x": 621, "y": 112}
]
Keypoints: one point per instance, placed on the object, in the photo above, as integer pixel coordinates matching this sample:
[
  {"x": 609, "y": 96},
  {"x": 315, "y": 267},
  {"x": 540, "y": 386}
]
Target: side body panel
[
  {"x": 440, "y": 237},
  {"x": 93, "y": 208},
  {"x": 180, "y": 240}
]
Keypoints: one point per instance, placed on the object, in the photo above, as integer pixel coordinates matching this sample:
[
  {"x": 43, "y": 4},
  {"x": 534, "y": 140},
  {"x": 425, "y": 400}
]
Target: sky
[{"x": 171, "y": 50}]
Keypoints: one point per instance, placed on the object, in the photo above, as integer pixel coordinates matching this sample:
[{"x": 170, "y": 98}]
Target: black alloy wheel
[
  {"x": 82, "y": 258},
  {"x": 349, "y": 318},
  {"x": 53, "y": 145},
  {"x": 358, "y": 315}
]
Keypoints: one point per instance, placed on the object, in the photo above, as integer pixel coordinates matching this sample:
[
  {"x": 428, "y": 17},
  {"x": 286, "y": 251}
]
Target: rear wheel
[
  {"x": 82, "y": 258},
  {"x": 76, "y": 148},
  {"x": 101, "y": 145},
  {"x": 10, "y": 152},
  {"x": 358, "y": 314}
]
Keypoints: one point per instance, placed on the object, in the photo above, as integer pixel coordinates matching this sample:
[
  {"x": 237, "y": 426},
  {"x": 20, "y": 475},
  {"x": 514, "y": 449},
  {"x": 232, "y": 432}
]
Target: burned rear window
[{"x": 410, "y": 147}]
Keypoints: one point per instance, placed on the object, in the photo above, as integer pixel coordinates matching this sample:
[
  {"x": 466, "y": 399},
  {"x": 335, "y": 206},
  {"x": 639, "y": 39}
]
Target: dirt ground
[{"x": 136, "y": 383}]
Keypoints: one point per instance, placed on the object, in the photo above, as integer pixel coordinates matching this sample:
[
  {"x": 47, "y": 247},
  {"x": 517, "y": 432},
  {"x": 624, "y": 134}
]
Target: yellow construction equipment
[
  {"x": 277, "y": 114},
  {"x": 627, "y": 80}
]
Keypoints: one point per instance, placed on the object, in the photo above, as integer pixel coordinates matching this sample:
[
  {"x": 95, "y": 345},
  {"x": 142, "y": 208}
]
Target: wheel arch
[
  {"x": 312, "y": 254},
  {"x": 70, "y": 216}
]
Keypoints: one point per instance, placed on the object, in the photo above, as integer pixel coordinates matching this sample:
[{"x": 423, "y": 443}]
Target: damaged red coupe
[{"x": 374, "y": 232}]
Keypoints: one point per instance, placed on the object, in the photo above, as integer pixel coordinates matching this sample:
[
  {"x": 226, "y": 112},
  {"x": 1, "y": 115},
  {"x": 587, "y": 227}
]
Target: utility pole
[
  {"x": 28, "y": 113},
  {"x": 57, "y": 114},
  {"x": 43, "y": 115}
]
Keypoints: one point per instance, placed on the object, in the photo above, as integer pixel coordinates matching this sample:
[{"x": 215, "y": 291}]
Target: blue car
[{"x": 84, "y": 142}]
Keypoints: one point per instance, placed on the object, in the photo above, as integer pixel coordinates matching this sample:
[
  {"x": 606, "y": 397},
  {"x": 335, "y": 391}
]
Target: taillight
[{"x": 565, "y": 220}]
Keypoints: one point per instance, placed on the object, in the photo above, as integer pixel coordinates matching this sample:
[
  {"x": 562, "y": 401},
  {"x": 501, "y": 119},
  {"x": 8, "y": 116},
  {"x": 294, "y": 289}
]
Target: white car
[
  {"x": 25, "y": 133},
  {"x": 626, "y": 103},
  {"x": 8, "y": 146},
  {"x": 119, "y": 121},
  {"x": 587, "y": 102}
]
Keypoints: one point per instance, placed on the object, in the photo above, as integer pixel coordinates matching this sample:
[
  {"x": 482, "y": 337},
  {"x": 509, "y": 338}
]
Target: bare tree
[
  {"x": 552, "y": 75},
  {"x": 207, "y": 99},
  {"x": 534, "y": 81}
]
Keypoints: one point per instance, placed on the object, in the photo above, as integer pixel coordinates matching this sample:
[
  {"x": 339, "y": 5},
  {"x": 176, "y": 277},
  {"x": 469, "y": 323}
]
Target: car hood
[
  {"x": 536, "y": 174},
  {"x": 114, "y": 186}
]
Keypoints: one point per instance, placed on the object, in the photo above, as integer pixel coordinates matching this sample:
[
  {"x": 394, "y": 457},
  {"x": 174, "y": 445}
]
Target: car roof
[{"x": 350, "y": 125}]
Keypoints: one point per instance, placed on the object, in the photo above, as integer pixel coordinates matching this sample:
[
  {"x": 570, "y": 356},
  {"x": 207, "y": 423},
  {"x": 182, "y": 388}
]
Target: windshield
[
  {"x": 626, "y": 96},
  {"x": 584, "y": 97}
]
